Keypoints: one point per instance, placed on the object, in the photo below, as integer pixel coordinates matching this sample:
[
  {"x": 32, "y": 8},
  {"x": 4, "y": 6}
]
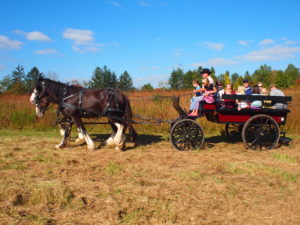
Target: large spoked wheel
[
  {"x": 233, "y": 131},
  {"x": 261, "y": 132},
  {"x": 186, "y": 135}
]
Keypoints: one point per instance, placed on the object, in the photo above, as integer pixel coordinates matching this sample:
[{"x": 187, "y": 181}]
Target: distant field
[
  {"x": 18, "y": 114},
  {"x": 150, "y": 184}
]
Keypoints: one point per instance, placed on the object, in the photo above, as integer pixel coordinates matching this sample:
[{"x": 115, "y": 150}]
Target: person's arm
[
  {"x": 199, "y": 90},
  {"x": 211, "y": 92}
]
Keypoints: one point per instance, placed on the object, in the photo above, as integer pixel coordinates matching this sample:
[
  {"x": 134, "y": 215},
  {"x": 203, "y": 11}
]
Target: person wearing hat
[
  {"x": 206, "y": 75},
  {"x": 248, "y": 90}
]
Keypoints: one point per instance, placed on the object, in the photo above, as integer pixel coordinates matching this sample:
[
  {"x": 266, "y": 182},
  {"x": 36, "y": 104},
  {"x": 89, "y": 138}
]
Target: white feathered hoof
[
  {"x": 60, "y": 146},
  {"x": 91, "y": 148},
  {"x": 79, "y": 140},
  {"x": 109, "y": 142},
  {"x": 121, "y": 146}
]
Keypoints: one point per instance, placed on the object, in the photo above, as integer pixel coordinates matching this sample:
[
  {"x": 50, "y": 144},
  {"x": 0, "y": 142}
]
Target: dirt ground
[{"x": 150, "y": 184}]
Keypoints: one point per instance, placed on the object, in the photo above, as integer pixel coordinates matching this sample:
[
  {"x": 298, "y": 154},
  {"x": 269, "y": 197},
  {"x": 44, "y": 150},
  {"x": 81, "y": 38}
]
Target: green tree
[
  {"x": 263, "y": 74},
  {"x": 281, "y": 80},
  {"x": 6, "y": 83},
  {"x": 31, "y": 77},
  {"x": 176, "y": 79},
  {"x": 18, "y": 80},
  {"x": 238, "y": 82},
  {"x": 227, "y": 78},
  {"x": 213, "y": 73},
  {"x": 234, "y": 78},
  {"x": 125, "y": 82},
  {"x": 147, "y": 87},
  {"x": 103, "y": 78},
  {"x": 292, "y": 73},
  {"x": 188, "y": 78},
  {"x": 248, "y": 76}
]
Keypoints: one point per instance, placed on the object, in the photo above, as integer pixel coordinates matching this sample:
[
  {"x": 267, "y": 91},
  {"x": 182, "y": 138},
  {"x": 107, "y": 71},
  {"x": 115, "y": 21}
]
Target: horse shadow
[{"x": 143, "y": 139}]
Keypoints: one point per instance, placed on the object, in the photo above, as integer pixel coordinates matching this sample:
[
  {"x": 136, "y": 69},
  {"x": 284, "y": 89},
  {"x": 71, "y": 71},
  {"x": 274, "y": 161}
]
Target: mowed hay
[{"x": 150, "y": 184}]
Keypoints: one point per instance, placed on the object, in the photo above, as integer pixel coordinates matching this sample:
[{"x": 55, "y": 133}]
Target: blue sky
[{"x": 148, "y": 38}]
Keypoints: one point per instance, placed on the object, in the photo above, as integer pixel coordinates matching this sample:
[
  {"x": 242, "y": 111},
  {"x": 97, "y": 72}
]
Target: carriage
[{"x": 260, "y": 128}]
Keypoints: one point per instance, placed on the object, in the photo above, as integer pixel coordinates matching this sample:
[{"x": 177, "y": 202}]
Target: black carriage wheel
[
  {"x": 186, "y": 135},
  {"x": 260, "y": 132},
  {"x": 233, "y": 131}
]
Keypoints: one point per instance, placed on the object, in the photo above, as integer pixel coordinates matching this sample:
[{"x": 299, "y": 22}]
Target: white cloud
[
  {"x": 115, "y": 3},
  {"x": 290, "y": 42},
  {"x": 266, "y": 41},
  {"x": 46, "y": 51},
  {"x": 215, "y": 62},
  {"x": 2, "y": 66},
  {"x": 6, "y": 43},
  {"x": 215, "y": 46},
  {"x": 37, "y": 36},
  {"x": 144, "y": 3},
  {"x": 33, "y": 36},
  {"x": 177, "y": 54},
  {"x": 244, "y": 42},
  {"x": 86, "y": 49},
  {"x": 80, "y": 37},
  {"x": 274, "y": 53}
]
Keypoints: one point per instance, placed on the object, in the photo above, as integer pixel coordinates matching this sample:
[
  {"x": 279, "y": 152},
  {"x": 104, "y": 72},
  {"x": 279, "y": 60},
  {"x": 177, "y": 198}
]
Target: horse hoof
[
  {"x": 120, "y": 147},
  {"x": 91, "y": 148},
  {"x": 78, "y": 140},
  {"x": 59, "y": 146}
]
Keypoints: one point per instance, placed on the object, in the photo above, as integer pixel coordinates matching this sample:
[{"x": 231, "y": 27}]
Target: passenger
[
  {"x": 242, "y": 104},
  {"x": 276, "y": 92},
  {"x": 220, "y": 89},
  {"x": 207, "y": 97},
  {"x": 248, "y": 90},
  {"x": 260, "y": 86},
  {"x": 197, "y": 94},
  {"x": 206, "y": 74},
  {"x": 257, "y": 104},
  {"x": 229, "y": 103}
]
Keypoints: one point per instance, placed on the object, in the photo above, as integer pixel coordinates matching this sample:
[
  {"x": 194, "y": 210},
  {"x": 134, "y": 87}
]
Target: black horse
[{"x": 76, "y": 103}]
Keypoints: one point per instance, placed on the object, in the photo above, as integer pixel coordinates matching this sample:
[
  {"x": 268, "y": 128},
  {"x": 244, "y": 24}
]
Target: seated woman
[
  {"x": 229, "y": 103},
  {"x": 207, "y": 97},
  {"x": 257, "y": 104},
  {"x": 242, "y": 104}
]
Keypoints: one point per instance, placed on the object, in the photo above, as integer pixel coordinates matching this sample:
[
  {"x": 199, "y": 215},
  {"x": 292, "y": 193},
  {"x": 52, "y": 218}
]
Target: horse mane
[{"x": 57, "y": 88}]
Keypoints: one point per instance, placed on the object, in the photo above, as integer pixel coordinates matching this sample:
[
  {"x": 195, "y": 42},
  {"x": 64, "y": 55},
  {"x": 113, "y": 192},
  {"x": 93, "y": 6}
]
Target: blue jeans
[{"x": 195, "y": 100}]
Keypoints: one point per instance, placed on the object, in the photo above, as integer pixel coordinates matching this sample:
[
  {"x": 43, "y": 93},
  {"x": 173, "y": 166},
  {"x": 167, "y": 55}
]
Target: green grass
[
  {"x": 284, "y": 158},
  {"x": 113, "y": 168}
]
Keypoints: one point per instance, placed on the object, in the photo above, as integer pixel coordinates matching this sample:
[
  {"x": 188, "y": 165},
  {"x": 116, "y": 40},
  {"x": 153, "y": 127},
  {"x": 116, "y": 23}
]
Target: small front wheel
[{"x": 186, "y": 135}]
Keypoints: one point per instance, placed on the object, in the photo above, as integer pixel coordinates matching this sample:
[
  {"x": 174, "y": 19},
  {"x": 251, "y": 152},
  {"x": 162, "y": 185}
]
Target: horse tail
[{"x": 128, "y": 117}]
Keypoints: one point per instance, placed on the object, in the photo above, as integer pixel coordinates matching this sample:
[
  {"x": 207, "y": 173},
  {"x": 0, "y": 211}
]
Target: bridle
[{"x": 37, "y": 100}]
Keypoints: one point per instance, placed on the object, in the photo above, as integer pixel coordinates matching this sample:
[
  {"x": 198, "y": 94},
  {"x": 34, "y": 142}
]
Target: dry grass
[
  {"x": 17, "y": 113},
  {"x": 151, "y": 184}
]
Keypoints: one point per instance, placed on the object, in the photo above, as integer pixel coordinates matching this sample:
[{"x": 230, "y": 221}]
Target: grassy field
[{"x": 150, "y": 184}]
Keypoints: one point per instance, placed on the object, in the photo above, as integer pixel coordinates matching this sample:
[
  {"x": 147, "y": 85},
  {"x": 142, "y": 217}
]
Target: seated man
[{"x": 277, "y": 92}]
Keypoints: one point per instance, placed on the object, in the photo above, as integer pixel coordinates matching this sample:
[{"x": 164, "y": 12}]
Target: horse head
[{"x": 40, "y": 97}]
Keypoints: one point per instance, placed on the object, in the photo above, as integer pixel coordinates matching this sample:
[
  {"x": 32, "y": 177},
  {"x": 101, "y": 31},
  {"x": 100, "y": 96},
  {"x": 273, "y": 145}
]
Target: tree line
[{"x": 20, "y": 82}]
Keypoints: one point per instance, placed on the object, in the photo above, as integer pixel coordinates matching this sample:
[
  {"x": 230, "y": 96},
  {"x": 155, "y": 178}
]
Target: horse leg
[
  {"x": 133, "y": 135},
  {"x": 83, "y": 131},
  {"x": 120, "y": 138},
  {"x": 66, "y": 133},
  {"x": 110, "y": 141},
  {"x": 80, "y": 136}
]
